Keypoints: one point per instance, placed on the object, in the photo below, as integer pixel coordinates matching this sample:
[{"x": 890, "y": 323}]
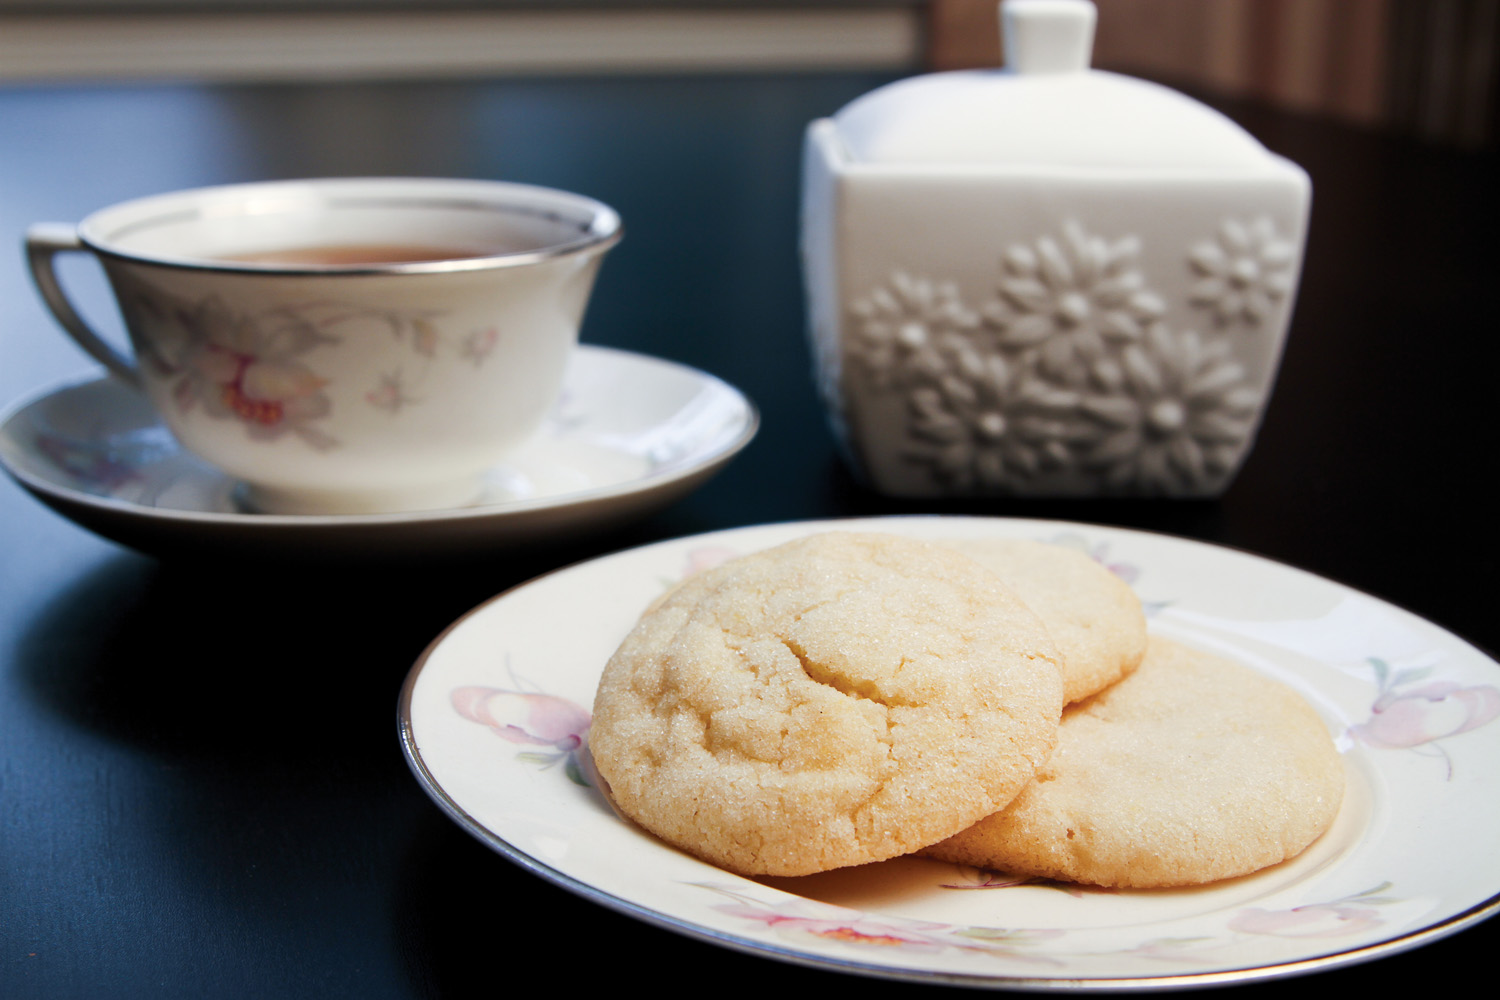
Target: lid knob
[{"x": 1047, "y": 36}]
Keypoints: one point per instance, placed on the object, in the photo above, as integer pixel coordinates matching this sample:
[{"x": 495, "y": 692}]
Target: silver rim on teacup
[
  {"x": 597, "y": 228},
  {"x": 593, "y": 222}
]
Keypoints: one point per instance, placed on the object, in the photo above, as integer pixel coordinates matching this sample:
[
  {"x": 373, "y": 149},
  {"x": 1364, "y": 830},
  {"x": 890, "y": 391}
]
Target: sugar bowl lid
[{"x": 1045, "y": 108}]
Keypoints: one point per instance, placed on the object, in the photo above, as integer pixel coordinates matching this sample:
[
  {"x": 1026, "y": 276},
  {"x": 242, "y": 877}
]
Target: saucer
[{"x": 630, "y": 434}]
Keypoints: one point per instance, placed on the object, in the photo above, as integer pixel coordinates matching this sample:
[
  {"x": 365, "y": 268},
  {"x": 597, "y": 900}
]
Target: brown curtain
[{"x": 1425, "y": 67}]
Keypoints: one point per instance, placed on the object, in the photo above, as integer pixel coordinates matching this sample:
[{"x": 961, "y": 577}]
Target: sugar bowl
[{"x": 1046, "y": 280}]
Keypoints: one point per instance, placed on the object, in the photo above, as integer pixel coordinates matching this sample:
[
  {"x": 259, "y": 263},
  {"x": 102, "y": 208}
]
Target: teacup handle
[{"x": 44, "y": 241}]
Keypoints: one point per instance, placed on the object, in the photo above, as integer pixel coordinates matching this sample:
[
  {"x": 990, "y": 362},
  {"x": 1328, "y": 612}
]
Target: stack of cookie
[{"x": 848, "y": 698}]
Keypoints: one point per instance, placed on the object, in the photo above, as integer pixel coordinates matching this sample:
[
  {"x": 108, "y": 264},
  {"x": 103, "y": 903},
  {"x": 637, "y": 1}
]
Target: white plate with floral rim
[
  {"x": 494, "y": 718},
  {"x": 630, "y": 434}
]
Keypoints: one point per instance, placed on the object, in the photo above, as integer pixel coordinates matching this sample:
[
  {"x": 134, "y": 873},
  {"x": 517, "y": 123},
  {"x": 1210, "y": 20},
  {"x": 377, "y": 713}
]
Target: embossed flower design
[
  {"x": 988, "y": 423},
  {"x": 1066, "y": 299},
  {"x": 1173, "y": 414},
  {"x": 901, "y": 327},
  {"x": 1244, "y": 272}
]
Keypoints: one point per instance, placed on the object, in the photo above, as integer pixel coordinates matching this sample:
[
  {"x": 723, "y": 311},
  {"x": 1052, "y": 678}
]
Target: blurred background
[
  {"x": 1426, "y": 67},
  {"x": 686, "y": 115}
]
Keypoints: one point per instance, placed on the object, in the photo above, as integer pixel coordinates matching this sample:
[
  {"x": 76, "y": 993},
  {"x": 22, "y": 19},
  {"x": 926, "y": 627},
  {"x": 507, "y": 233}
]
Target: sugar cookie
[
  {"x": 840, "y": 699},
  {"x": 1093, "y": 615},
  {"x": 1191, "y": 769}
]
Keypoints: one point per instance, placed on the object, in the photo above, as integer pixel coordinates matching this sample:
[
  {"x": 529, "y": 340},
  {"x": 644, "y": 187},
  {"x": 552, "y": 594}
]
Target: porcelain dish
[
  {"x": 630, "y": 434},
  {"x": 494, "y": 720},
  {"x": 1046, "y": 280}
]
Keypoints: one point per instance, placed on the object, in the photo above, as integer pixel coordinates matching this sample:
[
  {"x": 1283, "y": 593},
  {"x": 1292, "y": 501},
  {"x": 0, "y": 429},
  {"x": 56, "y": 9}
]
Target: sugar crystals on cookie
[
  {"x": 840, "y": 699},
  {"x": 1190, "y": 770},
  {"x": 1093, "y": 615}
]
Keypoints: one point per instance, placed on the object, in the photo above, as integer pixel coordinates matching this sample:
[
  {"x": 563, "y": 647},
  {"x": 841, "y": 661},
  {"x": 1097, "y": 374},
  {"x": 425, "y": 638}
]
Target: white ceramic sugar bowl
[{"x": 1046, "y": 280}]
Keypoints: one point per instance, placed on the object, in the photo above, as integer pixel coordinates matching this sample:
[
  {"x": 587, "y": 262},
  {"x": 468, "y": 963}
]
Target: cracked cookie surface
[
  {"x": 837, "y": 700},
  {"x": 1192, "y": 769}
]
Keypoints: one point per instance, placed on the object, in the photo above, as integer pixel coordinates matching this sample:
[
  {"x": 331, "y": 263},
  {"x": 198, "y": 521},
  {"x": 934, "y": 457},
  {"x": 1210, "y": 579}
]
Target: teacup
[{"x": 343, "y": 345}]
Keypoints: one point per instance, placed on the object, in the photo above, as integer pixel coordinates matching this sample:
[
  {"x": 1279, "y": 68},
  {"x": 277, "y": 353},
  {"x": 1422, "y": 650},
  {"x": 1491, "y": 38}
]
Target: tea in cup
[{"x": 343, "y": 345}]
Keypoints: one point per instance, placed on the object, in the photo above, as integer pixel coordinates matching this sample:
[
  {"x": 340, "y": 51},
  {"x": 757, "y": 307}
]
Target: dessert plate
[
  {"x": 630, "y": 434},
  {"x": 494, "y": 720}
]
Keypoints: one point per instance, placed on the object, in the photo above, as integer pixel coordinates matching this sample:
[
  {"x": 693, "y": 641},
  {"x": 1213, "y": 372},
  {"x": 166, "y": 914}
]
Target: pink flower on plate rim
[
  {"x": 853, "y": 928},
  {"x": 1413, "y": 711},
  {"x": 1350, "y": 915},
  {"x": 1400, "y": 720},
  {"x": 1099, "y": 553},
  {"x": 521, "y": 717},
  {"x": 535, "y": 720},
  {"x": 1316, "y": 921},
  {"x": 799, "y": 917}
]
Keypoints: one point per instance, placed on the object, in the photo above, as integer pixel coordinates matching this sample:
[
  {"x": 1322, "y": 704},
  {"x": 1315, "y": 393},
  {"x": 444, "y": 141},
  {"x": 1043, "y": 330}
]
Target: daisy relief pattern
[
  {"x": 905, "y": 325},
  {"x": 1244, "y": 272},
  {"x": 1069, "y": 298},
  {"x": 1069, "y": 377},
  {"x": 1173, "y": 412},
  {"x": 984, "y": 421}
]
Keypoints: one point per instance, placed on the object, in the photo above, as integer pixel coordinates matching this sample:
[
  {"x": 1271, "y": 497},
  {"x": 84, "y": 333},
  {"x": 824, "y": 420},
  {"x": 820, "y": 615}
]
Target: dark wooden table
[{"x": 201, "y": 789}]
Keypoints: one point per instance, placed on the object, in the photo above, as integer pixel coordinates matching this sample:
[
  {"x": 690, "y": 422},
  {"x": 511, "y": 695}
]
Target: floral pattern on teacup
[
  {"x": 254, "y": 367},
  {"x": 242, "y": 367},
  {"x": 399, "y": 388},
  {"x": 390, "y": 394},
  {"x": 478, "y": 345}
]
